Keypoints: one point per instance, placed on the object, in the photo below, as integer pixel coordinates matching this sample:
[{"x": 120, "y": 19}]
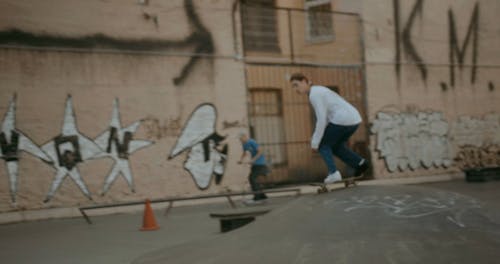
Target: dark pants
[
  {"x": 334, "y": 142},
  {"x": 256, "y": 171}
]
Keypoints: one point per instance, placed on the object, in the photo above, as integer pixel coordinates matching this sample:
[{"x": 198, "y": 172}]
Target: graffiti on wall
[
  {"x": 469, "y": 157},
  {"x": 155, "y": 129},
  {"x": 478, "y": 141},
  {"x": 118, "y": 144},
  {"x": 477, "y": 132},
  {"x": 199, "y": 40},
  {"x": 206, "y": 156},
  {"x": 404, "y": 38},
  {"x": 410, "y": 205},
  {"x": 457, "y": 53},
  {"x": 11, "y": 142},
  {"x": 456, "y": 50},
  {"x": 412, "y": 140},
  {"x": 234, "y": 124},
  {"x": 67, "y": 150}
]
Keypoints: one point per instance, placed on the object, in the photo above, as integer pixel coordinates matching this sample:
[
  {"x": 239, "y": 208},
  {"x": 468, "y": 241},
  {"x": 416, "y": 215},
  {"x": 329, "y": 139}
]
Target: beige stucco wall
[
  {"x": 426, "y": 121},
  {"x": 418, "y": 127},
  {"x": 42, "y": 79},
  {"x": 343, "y": 48}
]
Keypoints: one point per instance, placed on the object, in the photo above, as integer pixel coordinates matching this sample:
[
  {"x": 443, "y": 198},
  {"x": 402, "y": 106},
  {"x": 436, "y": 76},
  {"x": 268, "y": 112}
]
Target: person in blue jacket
[{"x": 258, "y": 165}]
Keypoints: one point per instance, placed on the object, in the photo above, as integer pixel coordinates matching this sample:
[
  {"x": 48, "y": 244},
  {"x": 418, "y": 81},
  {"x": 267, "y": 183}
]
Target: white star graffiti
[
  {"x": 198, "y": 136},
  {"x": 119, "y": 144},
  {"x": 69, "y": 149},
  {"x": 13, "y": 140}
]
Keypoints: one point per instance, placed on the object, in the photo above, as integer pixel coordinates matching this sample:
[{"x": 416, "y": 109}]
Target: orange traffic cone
[{"x": 149, "y": 222}]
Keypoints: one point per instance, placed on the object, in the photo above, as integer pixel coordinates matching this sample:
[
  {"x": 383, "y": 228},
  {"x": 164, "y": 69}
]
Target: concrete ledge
[
  {"x": 70, "y": 212},
  {"x": 416, "y": 180},
  {"x": 395, "y": 181},
  {"x": 53, "y": 213},
  {"x": 35, "y": 215}
]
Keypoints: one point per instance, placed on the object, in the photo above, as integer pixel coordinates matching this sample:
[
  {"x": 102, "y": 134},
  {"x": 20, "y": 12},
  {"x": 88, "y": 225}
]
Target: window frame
[
  {"x": 249, "y": 44},
  {"x": 308, "y": 4}
]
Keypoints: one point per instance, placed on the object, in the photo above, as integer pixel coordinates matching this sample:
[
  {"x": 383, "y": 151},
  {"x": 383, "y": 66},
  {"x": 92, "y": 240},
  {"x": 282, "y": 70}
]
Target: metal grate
[{"x": 283, "y": 121}]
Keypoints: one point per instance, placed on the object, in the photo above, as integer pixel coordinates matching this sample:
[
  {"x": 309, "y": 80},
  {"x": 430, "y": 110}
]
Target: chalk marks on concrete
[
  {"x": 118, "y": 144},
  {"x": 67, "y": 150},
  {"x": 411, "y": 140},
  {"x": 452, "y": 206},
  {"x": 206, "y": 156},
  {"x": 11, "y": 142}
]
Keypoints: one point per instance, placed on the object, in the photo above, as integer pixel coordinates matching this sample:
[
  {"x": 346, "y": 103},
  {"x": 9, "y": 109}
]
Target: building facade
[
  {"x": 432, "y": 86},
  {"x": 114, "y": 101},
  {"x": 108, "y": 101}
]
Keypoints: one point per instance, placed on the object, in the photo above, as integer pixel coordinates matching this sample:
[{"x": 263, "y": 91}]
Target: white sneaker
[{"x": 334, "y": 177}]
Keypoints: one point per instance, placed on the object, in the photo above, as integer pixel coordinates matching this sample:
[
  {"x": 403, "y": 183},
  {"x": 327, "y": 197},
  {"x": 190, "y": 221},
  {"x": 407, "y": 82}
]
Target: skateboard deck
[
  {"x": 323, "y": 187},
  {"x": 240, "y": 212},
  {"x": 251, "y": 203},
  {"x": 235, "y": 218}
]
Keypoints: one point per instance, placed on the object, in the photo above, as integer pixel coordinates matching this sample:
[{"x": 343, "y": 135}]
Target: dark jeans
[
  {"x": 334, "y": 142},
  {"x": 256, "y": 171}
]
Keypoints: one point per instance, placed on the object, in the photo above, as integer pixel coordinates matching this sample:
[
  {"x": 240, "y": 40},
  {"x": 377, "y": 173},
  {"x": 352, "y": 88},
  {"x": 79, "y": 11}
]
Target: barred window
[
  {"x": 267, "y": 124},
  {"x": 319, "y": 20},
  {"x": 260, "y": 31},
  {"x": 266, "y": 102}
]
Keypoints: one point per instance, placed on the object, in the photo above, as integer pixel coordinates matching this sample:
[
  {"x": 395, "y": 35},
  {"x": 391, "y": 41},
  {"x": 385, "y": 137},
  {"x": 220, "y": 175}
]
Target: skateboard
[
  {"x": 323, "y": 187},
  {"x": 236, "y": 218},
  {"x": 254, "y": 203}
]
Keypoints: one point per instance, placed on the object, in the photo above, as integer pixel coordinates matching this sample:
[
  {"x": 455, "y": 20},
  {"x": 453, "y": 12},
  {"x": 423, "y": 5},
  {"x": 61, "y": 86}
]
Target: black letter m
[{"x": 459, "y": 52}]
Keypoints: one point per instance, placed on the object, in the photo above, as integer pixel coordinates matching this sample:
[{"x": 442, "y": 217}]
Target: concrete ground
[{"x": 445, "y": 222}]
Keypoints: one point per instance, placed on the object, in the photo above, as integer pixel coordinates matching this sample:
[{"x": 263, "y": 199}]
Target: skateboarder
[
  {"x": 258, "y": 162},
  {"x": 336, "y": 121}
]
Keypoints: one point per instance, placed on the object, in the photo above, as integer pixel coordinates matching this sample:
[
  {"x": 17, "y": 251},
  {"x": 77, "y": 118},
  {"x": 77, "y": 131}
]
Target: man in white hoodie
[{"x": 336, "y": 121}]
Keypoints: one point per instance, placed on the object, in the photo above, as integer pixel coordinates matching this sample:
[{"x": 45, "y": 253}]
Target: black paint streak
[
  {"x": 397, "y": 38},
  {"x": 68, "y": 159},
  {"x": 491, "y": 87},
  {"x": 444, "y": 86},
  {"x": 216, "y": 138},
  {"x": 458, "y": 53},
  {"x": 224, "y": 151},
  {"x": 406, "y": 40},
  {"x": 200, "y": 39},
  {"x": 10, "y": 150},
  {"x": 121, "y": 148}
]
